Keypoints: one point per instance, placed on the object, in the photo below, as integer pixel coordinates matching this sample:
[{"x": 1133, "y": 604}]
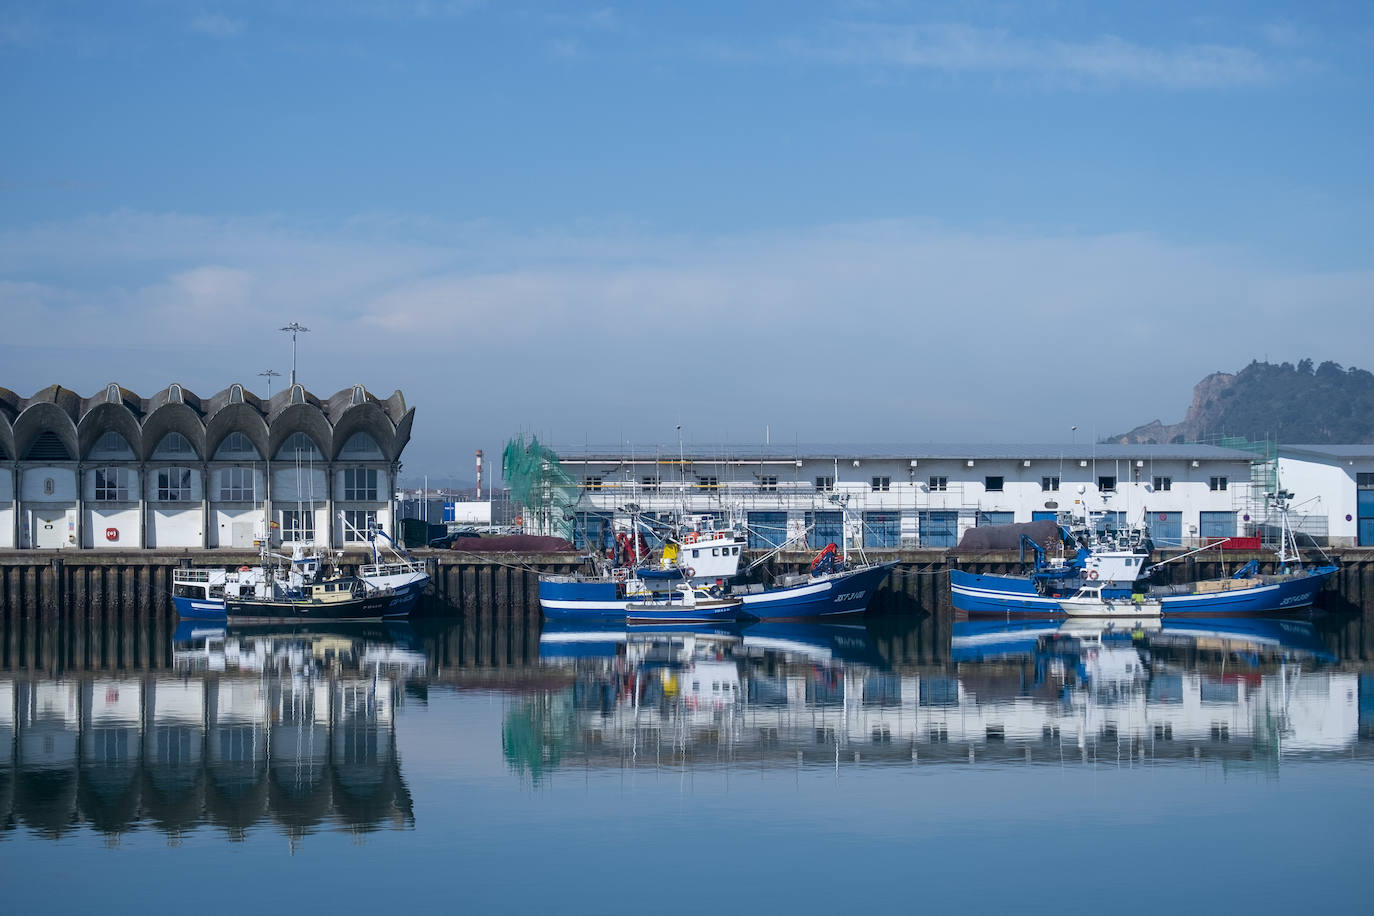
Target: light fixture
[
  {"x": 1026, "y": 463},
  {"x": 915, "y": 463}
]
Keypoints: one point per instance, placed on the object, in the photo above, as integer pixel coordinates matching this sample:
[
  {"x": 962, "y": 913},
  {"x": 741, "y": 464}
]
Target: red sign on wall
[{"x": 111, "y": 534}]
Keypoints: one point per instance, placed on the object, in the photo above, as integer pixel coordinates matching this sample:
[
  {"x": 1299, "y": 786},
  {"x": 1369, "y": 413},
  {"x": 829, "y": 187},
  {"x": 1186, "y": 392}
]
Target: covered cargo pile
[{"x": 1004, "y": 538}]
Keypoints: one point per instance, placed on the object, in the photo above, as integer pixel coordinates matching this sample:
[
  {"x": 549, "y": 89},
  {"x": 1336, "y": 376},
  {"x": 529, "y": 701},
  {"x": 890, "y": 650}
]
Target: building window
[
  {"x": 1364, "y": 481},
  {"x": 939, "y": 484},
  {"x": 174, "y": 484},
  {"x": 591, "y": 483},
  {"x": 882, "y": 529},
  {"x": 649, "y": 483},
  {"x": 993, "y": 484},
  {"x": 1107, "y": 484},
  {"x": 825, "y": 484},
  {"x": 824, "y": 528},
  {"x": 939, "y": 529},
  {"x": 882, "y": 484},
  {"x": 708, "y": 483},
  {"x": 360, "y": 484},
  {"x": 361, "y": 447},
  {"x": 111, "y": 445},
  {"x": 1217, "y": 483},
  {"x": 1162, "y": 484},
  {"x": 357, "y": 522},
  {"x": 1049, "y": 484},
  {"x": 236, "y": 485},
  {"x": 111, "y": 484},
  {"x": 299, "y": 447},
  {"x": 768, "y": 484},
  {"x": 236, "y": 445},
  {"x": 297, "y": 525},
  {"x": 174, "y": 445}
]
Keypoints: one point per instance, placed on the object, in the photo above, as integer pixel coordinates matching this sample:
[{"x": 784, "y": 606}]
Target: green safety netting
[{"x": 539, "y": 484}]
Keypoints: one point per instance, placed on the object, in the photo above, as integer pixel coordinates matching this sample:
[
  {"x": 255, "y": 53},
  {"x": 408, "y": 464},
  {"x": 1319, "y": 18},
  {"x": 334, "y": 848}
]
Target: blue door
[
  {"x": 825, "y": 528},
  {"x": 1365, "y": 501},
  {"x": 939, "y": 529},
  {"x": 1044, "y": 516},
  {"x": 1217, "y": 524},
  {"x": 882, "y": 529},
  {"x": 1166, "y": 528},
  {"x": 767, "y": 530}
]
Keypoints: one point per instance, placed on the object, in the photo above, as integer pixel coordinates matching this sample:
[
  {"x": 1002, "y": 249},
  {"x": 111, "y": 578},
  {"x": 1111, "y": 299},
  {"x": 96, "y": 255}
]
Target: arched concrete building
[{"x": 175, "y": 470}]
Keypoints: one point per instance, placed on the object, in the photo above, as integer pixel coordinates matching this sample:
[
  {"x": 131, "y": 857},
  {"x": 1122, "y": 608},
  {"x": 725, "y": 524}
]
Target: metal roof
[
  {"x": 899, "y": 451},
  {"x": 1355, "y": 450}
]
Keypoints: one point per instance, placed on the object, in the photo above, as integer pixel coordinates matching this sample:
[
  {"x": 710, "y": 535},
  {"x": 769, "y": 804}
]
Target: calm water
[{"x": 798, "y": 768}]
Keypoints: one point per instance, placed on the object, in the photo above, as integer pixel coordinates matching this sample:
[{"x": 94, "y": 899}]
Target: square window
[
  {"x": 1365, "y": 481},
  {"x": 1107, "y": 484},
  {"x": 591, "y": 483},
  {"x": 825, "y": 484},
  {"x": 649, "y": 483},
  {"x": 236, "y": 485},
  {"x": 1162, "y": 484},
  {"x": 708, "y": 483},
  {"x": 768, "y": 484},
  {"x": 939, "y": 484},
  {"x": 1049, "y": 484},
  {"x": 993, "y": 484},
  {"x": 174, "y": 484},
  {"x": 1217, "y": 483},
  {"x": 882, "y": 484},
  {"x": 360, "y": 484}
]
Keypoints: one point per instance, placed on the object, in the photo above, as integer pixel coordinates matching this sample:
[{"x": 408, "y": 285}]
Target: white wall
[
  {"x": 100, "y": 520},
  {"x": 1333, "y": 484},
  {"x": 64, "y": 485},
  {"x": 168, "y": 527},
  {"x": 234, "y": 527}
]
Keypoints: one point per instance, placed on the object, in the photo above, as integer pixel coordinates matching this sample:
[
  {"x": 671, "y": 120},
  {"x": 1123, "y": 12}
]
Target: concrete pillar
[
  {"x": 143, "y": 505},
  {"x": 81, "y": 507},
  {"x": 328, "y": 505},
  {"x": 205, "y": 505}
]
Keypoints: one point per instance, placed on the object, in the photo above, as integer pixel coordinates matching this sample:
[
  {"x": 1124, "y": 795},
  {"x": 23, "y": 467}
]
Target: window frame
[
  {"x": 232, "y": 486},
  {"x": 1218, "y": 484},
  {"x": 1107, "y": 483},
  {"x": 938, "y": 483},
  {"x": 880, "y": 484},
  {"x": 364, "y": 491},
  {"x": 167, "y": 492},
  {"x": 999, "y": 487},
  {"x": 1050, "y": 483},
  {"x": 105, "y": 491}
]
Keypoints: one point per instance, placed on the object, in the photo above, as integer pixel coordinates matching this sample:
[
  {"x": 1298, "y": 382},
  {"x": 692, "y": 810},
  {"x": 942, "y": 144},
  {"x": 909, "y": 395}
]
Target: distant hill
[{"x": 1283, "y": 402}]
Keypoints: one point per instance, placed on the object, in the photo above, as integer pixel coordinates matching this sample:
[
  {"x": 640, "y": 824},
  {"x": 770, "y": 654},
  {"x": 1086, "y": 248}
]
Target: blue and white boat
[
  {"x": 200, "y": 593},
  {"x": 703, "y": 555},
  {"x": 1113, "y": 569},
  {"x": 685, "y": 604}
]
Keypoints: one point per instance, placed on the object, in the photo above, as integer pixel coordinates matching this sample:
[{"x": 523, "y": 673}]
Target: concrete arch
[
  {"x": 42, "y": 417},
  {"x": 173, "y": 417},
  {"x": 403, "y": 432},
  {"x": 6, "y": 439},
  {"x": 105, "y": 417},
  {"x": 367, "y": 417},
  {"x": 303, "y": 418},
  {"x": 243, "y": 418}
]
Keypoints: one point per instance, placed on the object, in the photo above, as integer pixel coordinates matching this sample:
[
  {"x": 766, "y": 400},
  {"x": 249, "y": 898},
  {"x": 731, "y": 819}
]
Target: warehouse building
[
  {"x": 174, "y": 470},
  {"x": 924, "y": 495}
]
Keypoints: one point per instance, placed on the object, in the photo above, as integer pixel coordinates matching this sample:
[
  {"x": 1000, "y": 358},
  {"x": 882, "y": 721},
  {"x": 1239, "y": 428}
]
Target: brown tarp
[
  {"x": 514, "y": 543},
  {"x": 995, "y": 538}
]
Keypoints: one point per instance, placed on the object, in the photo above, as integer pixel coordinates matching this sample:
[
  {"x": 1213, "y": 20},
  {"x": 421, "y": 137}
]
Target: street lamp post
[
  {"x": 270, "y": 374},
  {"x": 295, "y": 328}
]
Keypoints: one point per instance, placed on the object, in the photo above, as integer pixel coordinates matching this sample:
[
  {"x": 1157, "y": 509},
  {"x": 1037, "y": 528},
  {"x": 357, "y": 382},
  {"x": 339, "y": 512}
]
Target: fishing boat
[
  {"x": 699, "y": 553},
  {"x": 330, "y": 600},
  {"x": 200, "y": 593},
  {"x": 1090, "y": 601},
  {"x": 685, "y": 604},
  {"x": 1115, "y": 566}
]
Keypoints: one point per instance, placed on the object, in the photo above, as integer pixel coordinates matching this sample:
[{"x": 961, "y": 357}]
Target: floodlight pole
[
  {"x": 295, "y": 328},
  {"x": 270, "y": 374}
]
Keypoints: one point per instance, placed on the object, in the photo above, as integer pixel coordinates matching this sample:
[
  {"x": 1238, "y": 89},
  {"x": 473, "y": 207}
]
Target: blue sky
[{"x": 865, "y": 221}]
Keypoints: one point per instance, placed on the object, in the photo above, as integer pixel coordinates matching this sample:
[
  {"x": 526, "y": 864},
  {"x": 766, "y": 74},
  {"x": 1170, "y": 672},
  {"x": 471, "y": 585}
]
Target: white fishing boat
[{"x": 1089, "y": 601}]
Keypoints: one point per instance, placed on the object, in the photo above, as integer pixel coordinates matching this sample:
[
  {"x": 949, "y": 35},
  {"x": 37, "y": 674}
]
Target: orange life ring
[
  {"x": 691, "y": 538},
  {"x": 689, "y": 572},
  {"x": 245, "y": 569},
  {"x": 1092, "y": 574}
]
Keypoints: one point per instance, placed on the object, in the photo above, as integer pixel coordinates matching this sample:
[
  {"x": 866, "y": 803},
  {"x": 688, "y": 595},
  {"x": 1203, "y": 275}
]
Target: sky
[{"x": 807, "y": 221}]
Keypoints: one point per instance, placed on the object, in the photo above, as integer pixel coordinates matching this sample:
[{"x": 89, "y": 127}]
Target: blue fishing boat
[
  {"x": 703, "y": 555},
  {"x": 1112, "y": 569}
]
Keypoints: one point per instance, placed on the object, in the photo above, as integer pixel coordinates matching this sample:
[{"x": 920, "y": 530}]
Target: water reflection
[
  {"x": 1032, "y": 691},
  {"x": 296, "y": 730}
]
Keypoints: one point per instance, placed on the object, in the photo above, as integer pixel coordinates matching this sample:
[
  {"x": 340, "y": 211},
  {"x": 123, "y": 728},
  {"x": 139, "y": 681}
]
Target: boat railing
[
  {"x": 190, "y": 575},
  {"x": 389, "y": 569}
]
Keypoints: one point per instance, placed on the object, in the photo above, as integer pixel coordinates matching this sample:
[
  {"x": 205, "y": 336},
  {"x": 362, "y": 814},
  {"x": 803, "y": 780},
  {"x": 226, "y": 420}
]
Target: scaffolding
[{"x": 538, "y": 483}]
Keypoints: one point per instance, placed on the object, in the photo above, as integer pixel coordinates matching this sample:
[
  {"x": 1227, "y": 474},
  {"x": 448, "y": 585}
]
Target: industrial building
[
  {"x": 175, "y": 470},
  {"x": 926, "y": 496},
  {"x": 1337, "y": 482}
]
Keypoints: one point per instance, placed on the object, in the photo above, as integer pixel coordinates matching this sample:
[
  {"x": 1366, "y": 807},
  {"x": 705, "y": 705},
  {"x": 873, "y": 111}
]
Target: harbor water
[{"x": 900, "y": 764}]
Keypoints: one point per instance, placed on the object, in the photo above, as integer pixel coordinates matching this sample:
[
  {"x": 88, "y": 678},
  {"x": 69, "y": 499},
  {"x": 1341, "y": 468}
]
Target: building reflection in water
[
  {"x": 244, "y": 730},
  {"x": 1240, "y": 692}
]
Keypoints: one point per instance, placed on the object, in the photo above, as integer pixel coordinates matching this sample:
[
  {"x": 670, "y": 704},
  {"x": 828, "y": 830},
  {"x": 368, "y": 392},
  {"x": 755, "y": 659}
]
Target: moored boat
[{"x": 1116, "y": 567}]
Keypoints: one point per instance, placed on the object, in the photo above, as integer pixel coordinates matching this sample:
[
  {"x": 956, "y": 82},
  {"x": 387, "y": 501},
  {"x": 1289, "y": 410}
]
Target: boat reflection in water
[
  {"x": 245, "y": 730},
  {"x": 1029, "y": 691}
]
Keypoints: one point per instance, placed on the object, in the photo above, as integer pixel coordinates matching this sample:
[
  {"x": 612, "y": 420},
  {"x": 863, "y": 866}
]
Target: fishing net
[{"x": 539, "y": 484}]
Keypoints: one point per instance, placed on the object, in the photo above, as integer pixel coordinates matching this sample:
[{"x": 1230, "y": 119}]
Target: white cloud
[
  {"x": 869, "y": 331},
  {"x": 962, "y": 48},
  {"x": 217, "y": 25}
]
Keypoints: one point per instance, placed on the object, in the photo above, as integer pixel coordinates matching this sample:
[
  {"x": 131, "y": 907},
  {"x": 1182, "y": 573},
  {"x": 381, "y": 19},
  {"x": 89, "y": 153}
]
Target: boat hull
[
  {"x": 1016, "y": 596},
  {"x": 373, "y": 608},
  {"x": 839, "y": 595},
  {"x": 646, "y": 616},
  {"x": 400, "y": 602}
]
